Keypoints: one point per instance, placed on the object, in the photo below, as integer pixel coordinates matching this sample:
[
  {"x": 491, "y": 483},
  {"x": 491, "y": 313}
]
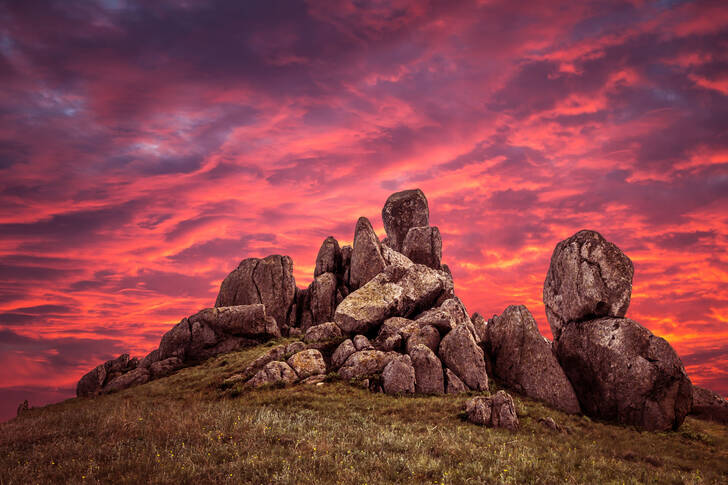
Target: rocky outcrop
[
  {"x": 429, "y": 378},
  {"x": 621, "y": 372},
  {"x": 366, "y": 256},
  {"x": 523, "y": 360},
  {"x": 268, "y": 281},
  {"x": 398, "y": 376},
  {"x": 496, "y": 411},
  {"x": 164, "y": 367},
  {"x": 134, "y": 377},
  {"x": 94, "y": 381},
  {"x": 423, "y": 245},
  {"x": 709, "y": 405},
  {"x": 23, "y": 408},
  {"x": 403, "y": 211},
  {"x": 588, "y": 278},
  {"x": 396, "y": 291},
  {"x": 426, "y": 335},
  {"x": 461, "y": 354}
]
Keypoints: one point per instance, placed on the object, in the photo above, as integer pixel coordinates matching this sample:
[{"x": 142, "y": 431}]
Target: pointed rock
[
  {"x": 323, "y": 298},
  {"x": 461, "y": 354},
  {"x": 453, "y": 384},
  {"x": 402, "y": 211},
  {"x": 328, "y": 259},
  {"x": 366, "y": 256}
]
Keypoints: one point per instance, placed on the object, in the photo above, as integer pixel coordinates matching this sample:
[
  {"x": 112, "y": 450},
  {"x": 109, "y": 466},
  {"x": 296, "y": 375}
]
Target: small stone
[
  {"x": 307, "y": 363},
  {"x": 496, "y": 411},
  {"x": 273, "y": 373}
]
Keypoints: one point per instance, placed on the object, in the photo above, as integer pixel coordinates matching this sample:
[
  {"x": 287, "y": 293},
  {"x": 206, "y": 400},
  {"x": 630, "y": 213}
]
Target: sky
[{"x": 147, "y": 147}]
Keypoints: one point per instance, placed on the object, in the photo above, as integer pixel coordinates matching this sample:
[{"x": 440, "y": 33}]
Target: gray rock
[
  {"x": 295, "y": 347},
  {"x": 268, "y": 281},
  {"x": 362, "y": 343},
  {"x": 403, "y": 211},
  {"x": 134, "y": 377},
  {"x": 445, "y": 317},
  {"x": 480, "y": 325},
  {"x": 307, "y": 363},
  {"x": 620, "y": 371},
  {"x": 323, "y": 298},
  {"x": 274, "y": 372},
  {"x": 363, "y": 364},
  {"x": 588, "y": 278},
  {"x": 92, "y": 382},
  {"x": 395, "y": 292},
  {"x": 395, "y": 258},
  {"x": 453, "y": 384},
  {"x": 342, "y": 352},
  {"x": 366, "y": 256},
  {"x": 275, "y": 353},
  {"x": 150, "y": 359},
  {"x": 164, "y": 367},
  {"x": 429, "y": 378},
  {"x": 423, "y": 245},
  {"x": 709, "y": 405},
  {"x": 459, "y": 352},
  {"x": 398, "y": 376},
  {"x": 496, "y": 411},
  {"x": 524, "y": 361},
  {"x": 426, "y": 335},
  {"x": 328, "y": 259},
  {"x": 389, "y": 337},
  {"x": 322, "y": 333}
]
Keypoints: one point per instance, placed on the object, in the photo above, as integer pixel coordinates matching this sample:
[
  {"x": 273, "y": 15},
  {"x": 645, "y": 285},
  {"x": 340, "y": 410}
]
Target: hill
[{"x": 191, "y": 428}]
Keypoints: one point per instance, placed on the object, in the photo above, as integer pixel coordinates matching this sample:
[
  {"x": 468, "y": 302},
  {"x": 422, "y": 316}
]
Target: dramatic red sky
[{"x": 147, "y": 147}]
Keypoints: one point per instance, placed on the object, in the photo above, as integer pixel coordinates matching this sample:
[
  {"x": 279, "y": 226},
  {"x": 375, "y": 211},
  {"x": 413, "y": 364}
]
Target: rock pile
[{"x": 384, "y": 315}]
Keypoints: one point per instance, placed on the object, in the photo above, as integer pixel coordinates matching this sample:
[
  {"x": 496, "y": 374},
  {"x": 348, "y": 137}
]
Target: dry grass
[{"x": 186, "y": 429}]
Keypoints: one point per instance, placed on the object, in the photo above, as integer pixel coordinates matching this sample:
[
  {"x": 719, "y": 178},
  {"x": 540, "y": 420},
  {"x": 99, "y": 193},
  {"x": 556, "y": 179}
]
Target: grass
[{"x": 188, "y": 429}]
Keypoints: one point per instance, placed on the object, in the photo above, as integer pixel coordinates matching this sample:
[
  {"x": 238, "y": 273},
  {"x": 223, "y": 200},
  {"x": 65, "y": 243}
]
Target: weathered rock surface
[
  {"x": 620, "y": 371},
  {"x": 322, "y": 292},
  {"x": 445, "y": 317},
  {"x": 426, "y": 335},
  {"x": 328, "y": 259},
  {"x": 307, "y": 363},
  {"x": 423, "y": 245},
  {"x": 398, "y": 376},
  {"x": 134, "y": 377},
  {"x": 92, "y": 382},
  {"x": 479, "y": 325},
  {"x": 403, "y": 211},
  {"x": 274, "y": 372},
  {"x": 461, "y": 354},
  {"x": 523, "y": 359},
  {"x": 394, "y": 292},
  {"x": 429, "y": 378},
  {"x": 268, "y": 281},
  {"x": 275, "y": 353},
  {"x": 709, "y": 405},
  {"x": 342, "y": 352},
  {"x": 363, "y": 364},
  {"x": 362, "y": 343},
  {"x": 389, "y": 337},
  {"x": 453, "y": 384},
  {"x": 164, "y": 367},
  {"x": 322, "y": 333},
  {"x": 496, "y": 411},
  {"x": 150, "y": 359},
  {"x": 366, "y": 256},
  {"x": 588, "y": 278}
]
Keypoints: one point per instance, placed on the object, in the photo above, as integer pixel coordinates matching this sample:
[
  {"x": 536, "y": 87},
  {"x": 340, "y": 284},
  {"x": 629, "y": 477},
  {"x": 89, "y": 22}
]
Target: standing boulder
[
  {"x": 461, "y": 354},
  {"x": 496, "y": 411},
  {"x": 398, "y": 376},
  {"x": 23, "y": 408},
  {"x": 523, "y": 359},
  {"x": 588, "y": 278},
  {"x": 268, "y": 281},
  {"x": 709, "y": 405},
  {"x": 366, "y": 256},
  {"x": 620, "y": 371},
  {"x": 423, "y": 245},
  {"x": 323, "y": 298},
  {"x": 403, "y": 211},
  {"x": 328, "y": 259},
  {"x": 429, "y": 378},
  {"x": 307, "y": 363}
]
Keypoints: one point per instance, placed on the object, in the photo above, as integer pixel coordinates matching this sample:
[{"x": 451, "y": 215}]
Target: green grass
[{"x": 188, "y": 429}]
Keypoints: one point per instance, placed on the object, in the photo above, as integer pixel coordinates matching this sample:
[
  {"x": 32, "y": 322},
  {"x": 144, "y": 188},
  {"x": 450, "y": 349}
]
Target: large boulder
[
  {"x": 328, "y": 259},
  {"x": 620, "y": 371},
  {"x": 274, "y": 372},
  {"x": 524, "y": 361},
  {"x": 588, "y": 278},
  {"x": 397, "y": 291},
  {"x": 364, "y": 363},
  {"x": 342, "y": 352},
  {"x": 461, "y": 354},
  {"x": 307, "y": 363},
  {"x": 134, "y": 377},
  {"x": 429, "y": 378},
  {"x": 323, "y": 332},
  {"x": 268, "y": 281},
  {"x": 403, "y": 211},
  {"x": 322, "y": 293},
  {"x": 398, "y": 376},
  {"x": 366, "y": 256},
  {"x": 496, "y": 411},
  {"x": 709, "y": 405},
  {"x": 423, "y": 245}
]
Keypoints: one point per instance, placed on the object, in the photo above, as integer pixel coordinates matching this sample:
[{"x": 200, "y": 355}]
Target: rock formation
[
  {"x": 496, "y": 411},
  {"x": 709, "y": 405}
]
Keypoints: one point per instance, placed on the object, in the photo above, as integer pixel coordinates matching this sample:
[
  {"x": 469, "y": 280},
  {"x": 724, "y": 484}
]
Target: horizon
[{"x": 146, "y": 149}]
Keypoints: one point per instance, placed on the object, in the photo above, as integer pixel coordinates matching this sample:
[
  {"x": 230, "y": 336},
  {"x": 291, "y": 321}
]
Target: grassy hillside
[{"x": 187, "y": 429}]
